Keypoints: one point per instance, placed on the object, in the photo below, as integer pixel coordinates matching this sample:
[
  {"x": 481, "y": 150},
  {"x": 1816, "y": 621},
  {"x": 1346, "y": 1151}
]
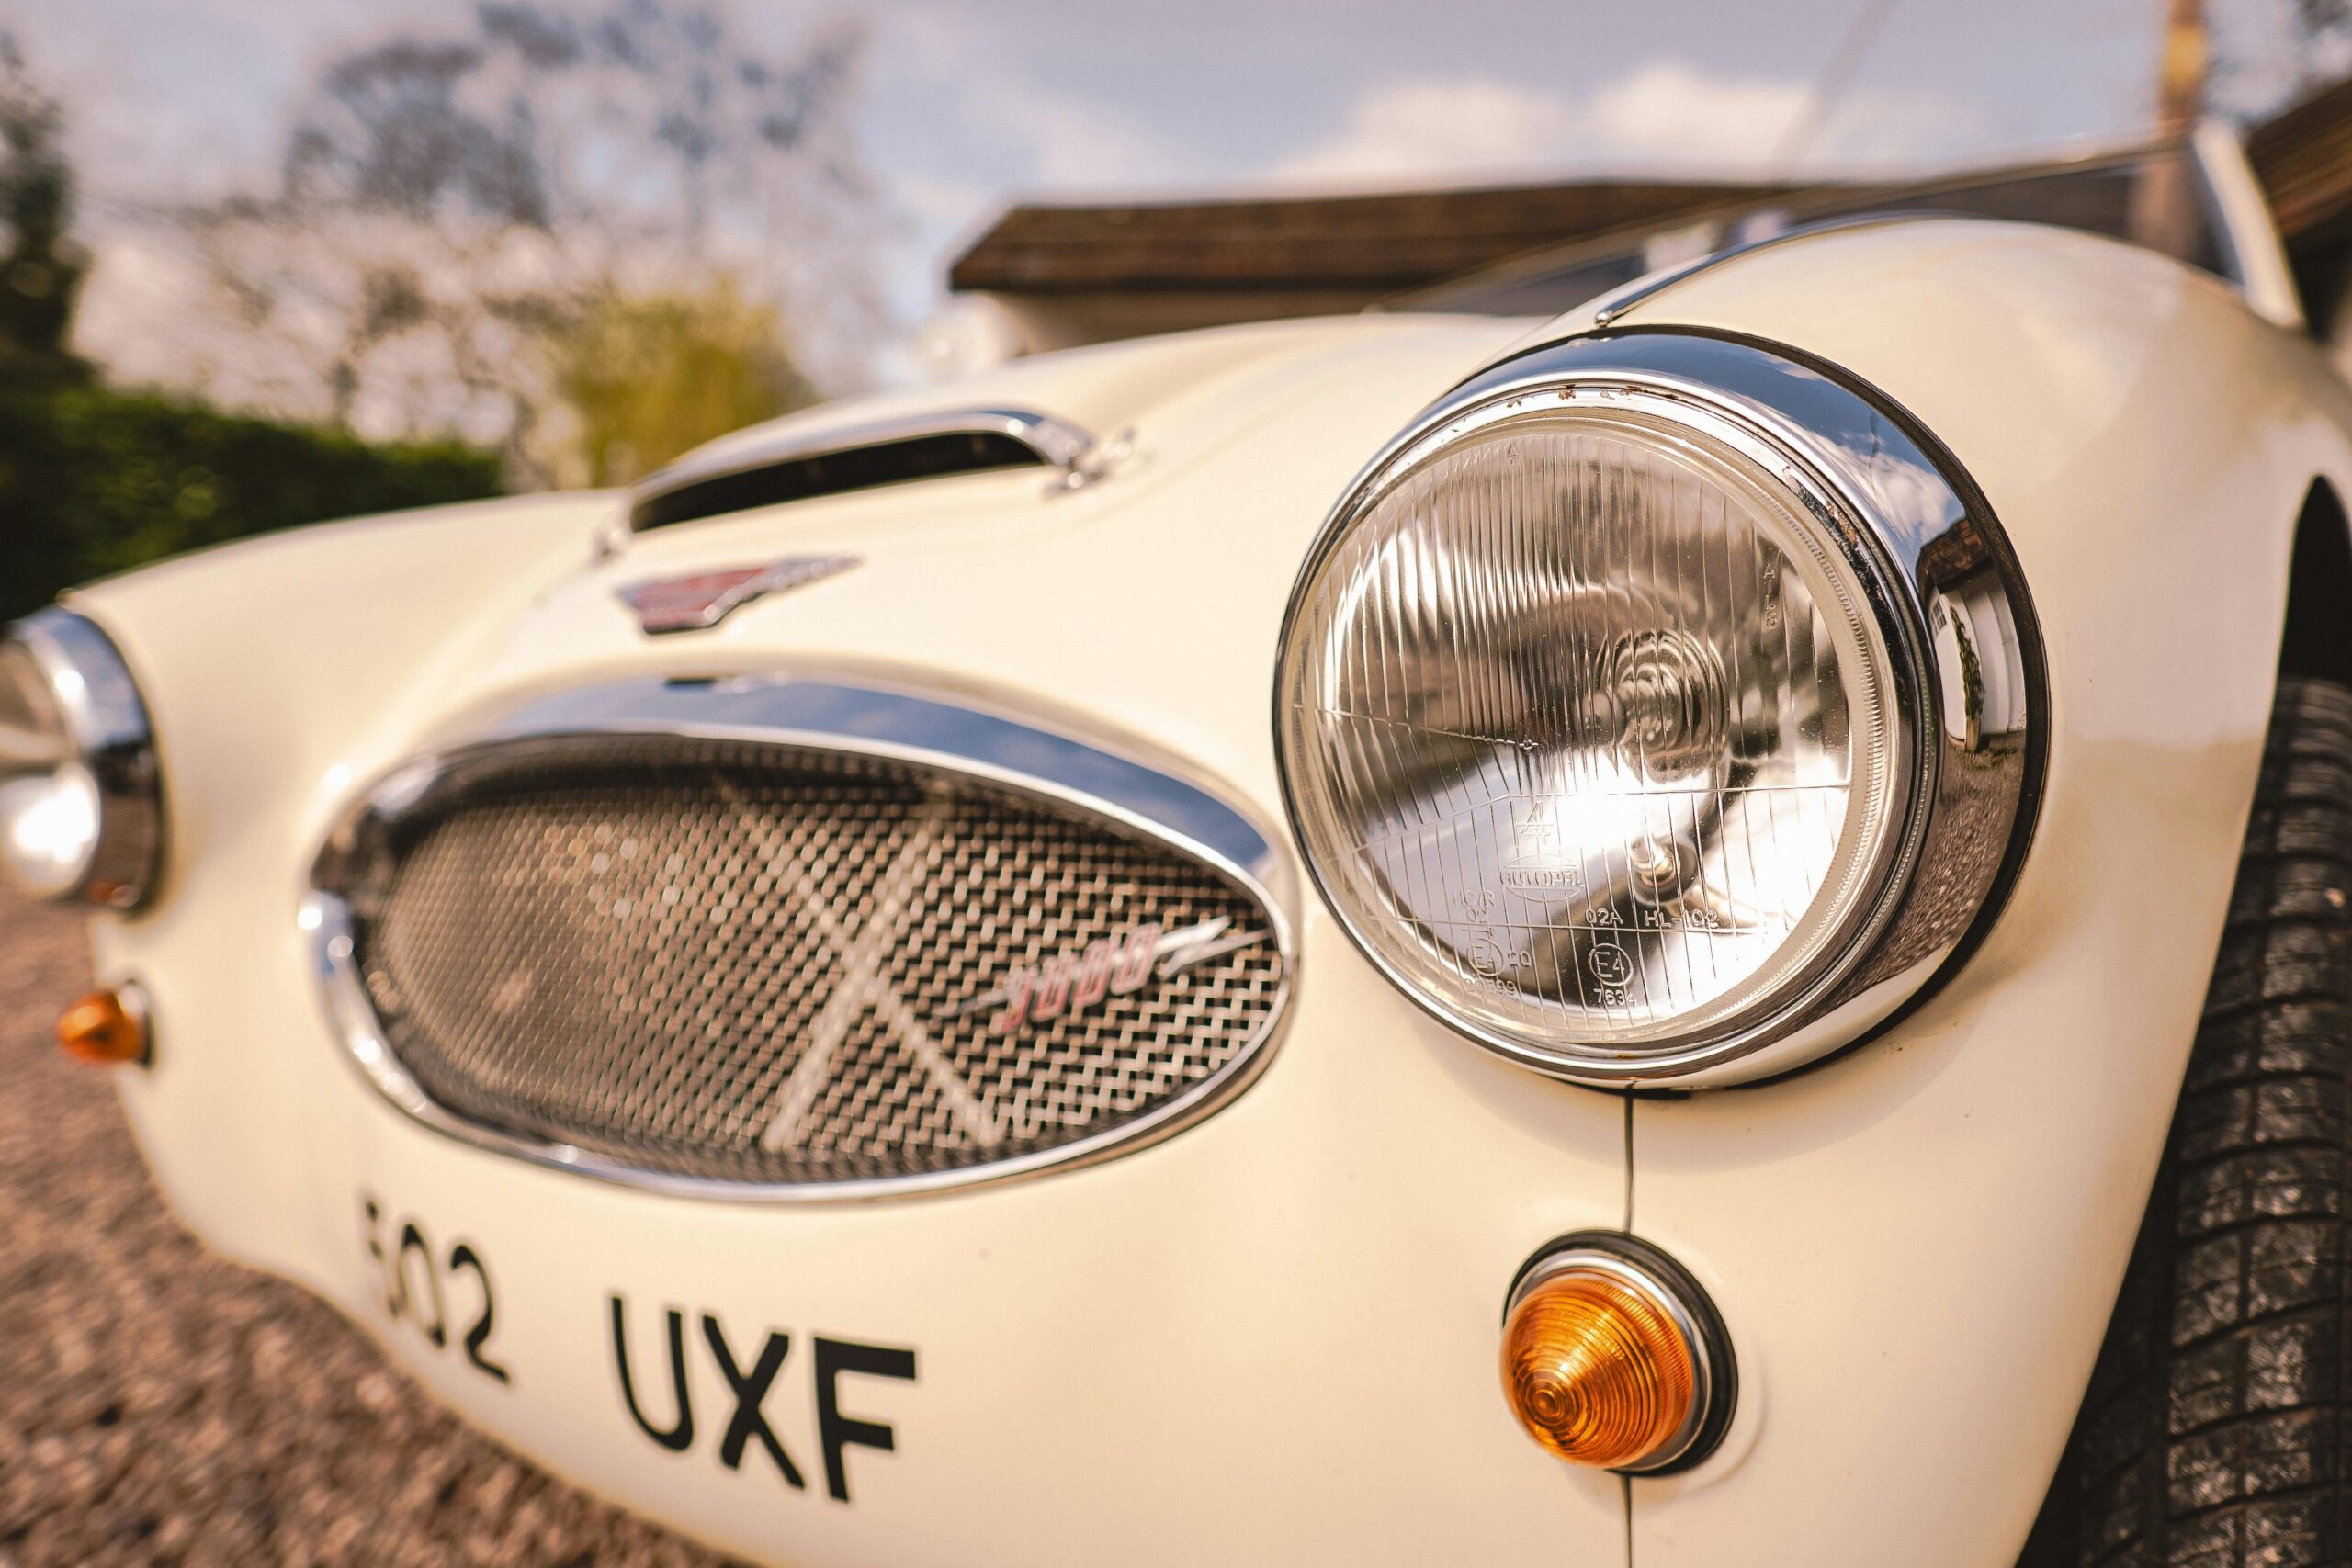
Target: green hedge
[{"x": 95, "y": 481}]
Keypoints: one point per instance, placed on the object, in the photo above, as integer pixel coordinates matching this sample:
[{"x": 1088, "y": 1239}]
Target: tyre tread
[{"x": 2214, "y": 1432}]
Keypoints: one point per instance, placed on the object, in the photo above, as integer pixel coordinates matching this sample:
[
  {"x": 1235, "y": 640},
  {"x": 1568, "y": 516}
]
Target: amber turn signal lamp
[
  {"x": 1611, "y": 1357},
  {"x": 108, "y": 1027}
]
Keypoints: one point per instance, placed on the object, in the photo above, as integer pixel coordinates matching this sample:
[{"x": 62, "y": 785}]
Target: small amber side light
[
  {"x": 1597, "y": 1368},
  {"x": 108, "y": 1028}
]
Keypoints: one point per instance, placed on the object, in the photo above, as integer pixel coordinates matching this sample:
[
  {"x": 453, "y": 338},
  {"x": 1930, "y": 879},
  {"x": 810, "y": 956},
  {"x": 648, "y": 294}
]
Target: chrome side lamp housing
[
  {"x": 1662, "y": 708},
  {"x": 81, "y": 793}
]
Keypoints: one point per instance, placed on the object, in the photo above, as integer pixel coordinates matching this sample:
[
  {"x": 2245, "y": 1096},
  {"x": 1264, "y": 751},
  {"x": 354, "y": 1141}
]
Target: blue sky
[{"x": 967, "y": 105}]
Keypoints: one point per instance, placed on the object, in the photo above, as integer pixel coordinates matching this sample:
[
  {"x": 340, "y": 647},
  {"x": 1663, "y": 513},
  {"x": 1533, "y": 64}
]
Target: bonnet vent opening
[{"x": 791, "y": 467}]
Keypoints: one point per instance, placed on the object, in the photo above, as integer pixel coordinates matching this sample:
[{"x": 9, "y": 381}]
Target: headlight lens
[
  {"x": 48, "y": 803},
  {"x": 80, "y": 813},
  {"x": 1602, "y": 718}
]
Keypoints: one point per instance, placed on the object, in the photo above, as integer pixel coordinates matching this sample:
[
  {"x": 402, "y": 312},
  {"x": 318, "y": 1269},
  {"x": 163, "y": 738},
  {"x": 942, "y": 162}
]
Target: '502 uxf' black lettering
[
  {"x": 748, "y": 1379},
  {"x": 413, "y": 1272}
]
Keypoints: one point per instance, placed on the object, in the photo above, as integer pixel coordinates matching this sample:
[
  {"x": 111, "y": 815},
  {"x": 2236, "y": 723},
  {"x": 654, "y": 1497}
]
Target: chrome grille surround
[{"x": 749, "y": 937}]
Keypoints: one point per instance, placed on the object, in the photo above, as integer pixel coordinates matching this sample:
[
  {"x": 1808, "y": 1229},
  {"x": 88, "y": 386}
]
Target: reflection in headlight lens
[
  {"x": 49, "y": 826},
  {"x": 81, "y": 810},
  {"x": 1590, "y": 734},
  {"x": 49, "y": 802}
]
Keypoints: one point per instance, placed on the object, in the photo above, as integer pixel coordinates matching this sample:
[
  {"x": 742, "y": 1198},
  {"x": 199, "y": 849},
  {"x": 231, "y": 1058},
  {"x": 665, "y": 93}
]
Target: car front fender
[{"x": 1917, "y": 1246}]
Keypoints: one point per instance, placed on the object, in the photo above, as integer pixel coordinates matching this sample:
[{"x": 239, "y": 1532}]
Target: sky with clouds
[{"x": 968, "y": 103}]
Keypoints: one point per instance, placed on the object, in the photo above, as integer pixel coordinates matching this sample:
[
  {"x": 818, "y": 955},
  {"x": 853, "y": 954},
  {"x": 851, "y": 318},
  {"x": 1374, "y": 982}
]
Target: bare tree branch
[{"x": 446, "y": 210}]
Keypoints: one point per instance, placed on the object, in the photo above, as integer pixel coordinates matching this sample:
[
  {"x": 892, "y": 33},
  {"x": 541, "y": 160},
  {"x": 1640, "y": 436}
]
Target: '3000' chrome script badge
[{"x": 1115, "y": 967}]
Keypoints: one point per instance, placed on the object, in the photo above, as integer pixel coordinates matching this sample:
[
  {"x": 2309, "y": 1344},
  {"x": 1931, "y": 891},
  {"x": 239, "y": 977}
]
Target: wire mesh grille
[{"x": 742, "y": 962}]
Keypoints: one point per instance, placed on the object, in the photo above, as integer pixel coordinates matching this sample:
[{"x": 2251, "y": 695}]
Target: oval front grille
[{"x": 746, "y": 962}]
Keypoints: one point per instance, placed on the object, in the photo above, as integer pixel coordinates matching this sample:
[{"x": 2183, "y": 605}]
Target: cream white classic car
[{"x": 1064, "y": 969}]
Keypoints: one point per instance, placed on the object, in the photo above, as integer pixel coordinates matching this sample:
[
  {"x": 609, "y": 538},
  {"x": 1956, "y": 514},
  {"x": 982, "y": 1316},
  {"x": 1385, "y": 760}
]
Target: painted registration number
[{"x": 447, "y": 1295}]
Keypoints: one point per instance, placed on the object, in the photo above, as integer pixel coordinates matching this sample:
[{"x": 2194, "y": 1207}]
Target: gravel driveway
[{"x": 160, "y": 1405}]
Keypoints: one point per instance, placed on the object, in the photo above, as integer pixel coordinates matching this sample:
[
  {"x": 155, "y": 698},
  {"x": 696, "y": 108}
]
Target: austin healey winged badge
[{"x": 703, "y": 599}]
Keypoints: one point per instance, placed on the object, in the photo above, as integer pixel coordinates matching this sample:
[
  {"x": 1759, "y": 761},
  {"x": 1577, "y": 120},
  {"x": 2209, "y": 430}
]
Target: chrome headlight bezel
[
  {"x": 103, "y": 730},
  {"x": 1917, "y": 538}
]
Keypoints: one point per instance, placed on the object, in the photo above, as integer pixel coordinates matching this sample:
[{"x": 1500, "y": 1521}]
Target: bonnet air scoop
[{"x": 799, "y": 464}]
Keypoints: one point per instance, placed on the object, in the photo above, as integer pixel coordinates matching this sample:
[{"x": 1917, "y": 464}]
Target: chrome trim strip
[
  {"x": 2252, "y": 256},
  {"x": 1916, "y": 532},
  {"x": 808, "y": 713},
  {"x": 107, "y": 722},
  {"x": 1056, "y": 443},
  {"x": 953, "y": 734},
  {"x": 1615, "y": 305}
]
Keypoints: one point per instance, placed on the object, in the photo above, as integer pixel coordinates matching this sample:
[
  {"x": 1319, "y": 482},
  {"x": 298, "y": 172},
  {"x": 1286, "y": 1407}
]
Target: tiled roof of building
[
  {"x": 1384, "y": 242},
  {"x": 2303, "y": 157}
]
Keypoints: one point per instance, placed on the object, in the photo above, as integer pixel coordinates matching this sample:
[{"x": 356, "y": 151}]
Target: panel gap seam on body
[
  {"x": 1628, "y": 1226},
  {"x": 1625, "y": 1483}
]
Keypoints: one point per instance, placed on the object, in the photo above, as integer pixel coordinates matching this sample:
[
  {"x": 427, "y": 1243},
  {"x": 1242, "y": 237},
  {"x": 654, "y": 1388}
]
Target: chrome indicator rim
[{"x": 1656, "y": 1276}]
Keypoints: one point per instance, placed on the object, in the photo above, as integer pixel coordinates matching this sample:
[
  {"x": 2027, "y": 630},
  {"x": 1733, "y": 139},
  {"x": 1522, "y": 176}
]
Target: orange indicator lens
[
  {"x": 1597, "y": 1369},
  {"x": 104, "y": 1028}
]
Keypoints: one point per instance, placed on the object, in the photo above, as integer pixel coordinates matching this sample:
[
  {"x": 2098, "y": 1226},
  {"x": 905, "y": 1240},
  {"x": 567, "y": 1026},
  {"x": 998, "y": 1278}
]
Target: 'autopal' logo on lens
[{"x": 1541, "y": 861}]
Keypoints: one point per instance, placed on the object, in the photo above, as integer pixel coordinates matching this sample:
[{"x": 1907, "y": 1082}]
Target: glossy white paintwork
[
  {"x": 1272, "y": 1338},
  {"x": 1919, "y": 1246}
]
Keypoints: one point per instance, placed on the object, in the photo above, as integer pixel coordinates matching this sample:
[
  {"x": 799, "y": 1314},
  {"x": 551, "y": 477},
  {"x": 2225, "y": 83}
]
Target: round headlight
[
  {"x": 80, "y": 808},
  {"x": 1606, "y": 714}
]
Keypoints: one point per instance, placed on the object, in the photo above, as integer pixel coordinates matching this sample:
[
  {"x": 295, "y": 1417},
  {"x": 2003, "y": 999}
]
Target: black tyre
[{"x": 2214, "y": 1432}]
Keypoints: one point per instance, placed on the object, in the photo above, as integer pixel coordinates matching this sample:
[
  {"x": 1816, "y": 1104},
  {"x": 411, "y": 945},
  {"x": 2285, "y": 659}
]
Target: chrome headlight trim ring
[
  {"x": 1921, "y": 539},
  {"x": 107, "y": 729}
]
